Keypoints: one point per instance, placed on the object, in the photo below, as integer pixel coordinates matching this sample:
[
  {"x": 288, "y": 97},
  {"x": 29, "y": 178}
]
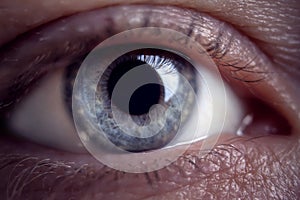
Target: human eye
[{"x": 243, "y": 66}]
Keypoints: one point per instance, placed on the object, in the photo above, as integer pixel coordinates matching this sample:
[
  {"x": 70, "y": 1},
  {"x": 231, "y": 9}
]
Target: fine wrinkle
[{"x": 227, "y": 171}]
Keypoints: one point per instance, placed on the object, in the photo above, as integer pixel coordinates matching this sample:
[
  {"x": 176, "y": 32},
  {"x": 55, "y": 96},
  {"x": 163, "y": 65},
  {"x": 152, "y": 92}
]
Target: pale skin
[{"x": 262, "y": 168}]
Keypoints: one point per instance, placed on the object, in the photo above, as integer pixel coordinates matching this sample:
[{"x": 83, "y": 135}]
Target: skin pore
[{"x": 238, "y": 167}]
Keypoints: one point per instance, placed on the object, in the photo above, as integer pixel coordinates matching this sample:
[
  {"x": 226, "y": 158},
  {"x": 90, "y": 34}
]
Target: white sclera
[{"x": 43, "y": 118}]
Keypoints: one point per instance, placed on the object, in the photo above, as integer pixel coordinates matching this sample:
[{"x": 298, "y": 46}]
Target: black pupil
[{"x": 145, "y": 96}]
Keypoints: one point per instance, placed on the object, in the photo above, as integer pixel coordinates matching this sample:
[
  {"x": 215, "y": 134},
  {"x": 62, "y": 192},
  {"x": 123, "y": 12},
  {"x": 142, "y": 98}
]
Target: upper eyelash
[
  {"x": 245, "y": 68},
  {"x": 217, "y": 49}
]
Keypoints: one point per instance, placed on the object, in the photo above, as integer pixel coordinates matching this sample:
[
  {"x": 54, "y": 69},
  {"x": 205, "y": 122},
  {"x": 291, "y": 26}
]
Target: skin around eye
[
  {"x": 223, "y": 55},
  {"x": 241, "y": 167}
]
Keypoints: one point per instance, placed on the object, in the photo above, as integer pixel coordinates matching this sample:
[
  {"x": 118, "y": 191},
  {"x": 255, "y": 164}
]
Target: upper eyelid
[
  {"x": 216, "y": 46},
  {"x": 244, "y": 16},
  {"x": 23, "y": 75},
  {"x": 19, "y": 47}
]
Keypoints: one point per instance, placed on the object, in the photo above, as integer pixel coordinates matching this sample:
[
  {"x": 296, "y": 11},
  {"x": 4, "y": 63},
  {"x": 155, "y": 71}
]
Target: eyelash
[
  {"x": 72, "y": 52},
  {"x": 217, "y": 50}
]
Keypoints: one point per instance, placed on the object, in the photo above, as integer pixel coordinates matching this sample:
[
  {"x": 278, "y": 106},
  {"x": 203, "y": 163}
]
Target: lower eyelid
[{"x": 232, "y": 167}]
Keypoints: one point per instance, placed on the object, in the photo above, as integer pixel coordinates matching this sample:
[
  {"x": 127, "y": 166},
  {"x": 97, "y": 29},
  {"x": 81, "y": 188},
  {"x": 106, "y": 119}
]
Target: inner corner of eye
[{"x": 262, "y": 119}]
